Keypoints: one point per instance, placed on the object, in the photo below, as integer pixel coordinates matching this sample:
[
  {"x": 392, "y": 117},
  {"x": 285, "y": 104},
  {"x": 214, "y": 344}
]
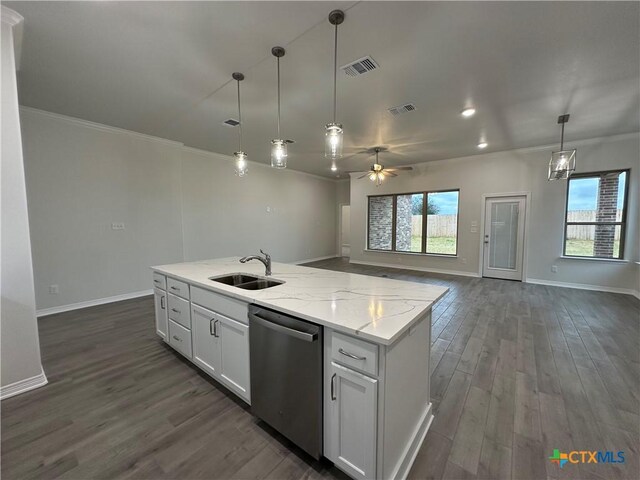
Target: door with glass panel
[{"x": 504, "y": 237}]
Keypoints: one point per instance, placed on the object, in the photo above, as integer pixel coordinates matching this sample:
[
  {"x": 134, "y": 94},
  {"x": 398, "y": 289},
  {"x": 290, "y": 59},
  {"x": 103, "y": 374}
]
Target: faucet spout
[{"x": 266, "y": 260}]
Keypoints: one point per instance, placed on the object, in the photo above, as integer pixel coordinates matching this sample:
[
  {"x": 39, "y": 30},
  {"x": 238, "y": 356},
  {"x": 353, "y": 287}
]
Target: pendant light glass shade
[
  {"x": 333, "y": 131},
  {"x": 333, "y": 141},
  {"x": 278, "y": 145},
  {"x": 563, "y": 162},
  {"x": 241, "y": 163},
  {"x": 278, "y": 153}
]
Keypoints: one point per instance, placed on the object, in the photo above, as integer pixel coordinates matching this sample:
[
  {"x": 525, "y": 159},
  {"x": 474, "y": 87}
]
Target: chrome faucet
[{"x": 266, "y": 260}]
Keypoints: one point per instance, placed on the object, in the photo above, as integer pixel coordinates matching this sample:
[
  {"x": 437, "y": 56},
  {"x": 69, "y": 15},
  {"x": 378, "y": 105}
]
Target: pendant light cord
[
  {"x": 335, "y": 72},
  {"x": 562, "y": 138},
  {"x": 239, "y": 120},
  {"x": 278, "y": 59}
]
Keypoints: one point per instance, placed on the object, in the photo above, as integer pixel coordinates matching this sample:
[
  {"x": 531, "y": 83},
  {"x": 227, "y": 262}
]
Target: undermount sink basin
[{"x": 246, "y": 282}]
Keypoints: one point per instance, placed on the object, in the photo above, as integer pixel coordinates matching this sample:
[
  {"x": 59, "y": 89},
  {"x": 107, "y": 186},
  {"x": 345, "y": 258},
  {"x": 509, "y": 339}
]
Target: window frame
[
  {"x": 394, "y": 205},
  {"x": 622, "y": 222}
]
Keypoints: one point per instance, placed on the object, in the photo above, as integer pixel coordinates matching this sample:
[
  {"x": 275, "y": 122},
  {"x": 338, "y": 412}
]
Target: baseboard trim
[
  {"x": 23, "y": 386},
  {"x": 317, "y": 259},
  {"x": 584, "y": 286},
  {"x": 92, "y": 303},
  {"x": 411, "y": 452},
  {"x": 418, "y": 269}
]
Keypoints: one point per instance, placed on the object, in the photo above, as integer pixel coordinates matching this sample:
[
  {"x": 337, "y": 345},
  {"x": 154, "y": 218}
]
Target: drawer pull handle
[
  {"x": 162, "y": 302},
  {"x": 333, "y": 388},
  {"x": 213, "y": 327},
  {"x": 351, "y": 355},
  {"x": 175, "y": 288},
  {"x": 177, "y": 338},
  {"x": 175, "y": 310}
]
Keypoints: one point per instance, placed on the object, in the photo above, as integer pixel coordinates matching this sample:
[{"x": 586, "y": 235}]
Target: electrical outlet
[
  {"x": 53, "y": 290},
  {"x": 554, "y": 268},
  {"x": 474, "y": 230},
  {"x": 117, "y": 226}
]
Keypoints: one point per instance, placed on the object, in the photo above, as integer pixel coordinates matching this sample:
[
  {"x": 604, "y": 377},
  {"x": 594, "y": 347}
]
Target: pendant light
[
  {"x": 278, "y": 145},
  {"x": 333, "y": 130},
  {"x": 241, "y": 167},
  {"x": 563, "y": 162}
]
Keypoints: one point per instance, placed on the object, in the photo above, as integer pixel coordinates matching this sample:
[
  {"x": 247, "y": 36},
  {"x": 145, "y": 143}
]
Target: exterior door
[
  {"x": 162, "y": 322},
  {"x": 205, "y": 326},
  {"x": 353, "y": 414},
  {"x": 504, "y": 237}
]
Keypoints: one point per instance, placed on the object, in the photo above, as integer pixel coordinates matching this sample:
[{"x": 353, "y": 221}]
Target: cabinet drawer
[
  {"x": 178, "y": 288},
  {"x": 159, "y": 281},
  {"x": 180, "y": 338},
  {"x": 354, "y": 353},
  {"x": 179, "y": 311},
  {"x": 219, "y": 303}
]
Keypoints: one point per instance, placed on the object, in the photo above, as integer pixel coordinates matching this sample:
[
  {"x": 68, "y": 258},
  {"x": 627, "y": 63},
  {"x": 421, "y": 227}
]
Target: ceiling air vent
[
  {"x": 231, "y": 122},
  {"x": 400, "y": 109},
  {"x": 360, "y": 67}
]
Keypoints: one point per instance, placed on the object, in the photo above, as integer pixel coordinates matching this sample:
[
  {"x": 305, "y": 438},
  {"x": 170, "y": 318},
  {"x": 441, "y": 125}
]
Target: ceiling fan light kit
[
  {"x": 241, "y": 165},
  {"x": 333, "y": 131},
  {"x": 563, "y": 162}
]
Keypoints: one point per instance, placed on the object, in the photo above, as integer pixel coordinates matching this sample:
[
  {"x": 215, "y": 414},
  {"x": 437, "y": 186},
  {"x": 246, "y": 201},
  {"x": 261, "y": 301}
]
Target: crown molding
[
  {"x": 10, "y": 17},
  {"x": 97, "y": 126}
]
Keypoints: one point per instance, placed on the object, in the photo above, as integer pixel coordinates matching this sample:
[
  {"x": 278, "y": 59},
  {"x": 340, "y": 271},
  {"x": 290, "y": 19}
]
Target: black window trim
[
  {"x": 622, "y": 222},
  {"x": 394, "y": 204}
]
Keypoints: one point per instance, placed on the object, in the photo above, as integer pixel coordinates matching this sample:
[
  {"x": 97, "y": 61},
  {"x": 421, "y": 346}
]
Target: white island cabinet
[{"x": 377, "y": 337}]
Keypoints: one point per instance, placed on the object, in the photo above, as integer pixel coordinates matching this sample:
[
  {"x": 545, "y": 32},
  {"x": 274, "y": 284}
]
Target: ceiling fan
[{"x": 378, "y": 172}]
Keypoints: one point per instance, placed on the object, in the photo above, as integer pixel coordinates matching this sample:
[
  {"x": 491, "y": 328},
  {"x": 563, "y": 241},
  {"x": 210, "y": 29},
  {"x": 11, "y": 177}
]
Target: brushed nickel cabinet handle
[
  {"x": 215, "y": 329},
  {"x": 175, "y": 288},
  {"x": 212, "y": 327},
  {"x": 175, "y": 310},
  {"x": 333, "y": 388},
  {"x": 351, "y": 355},
  {"x": 177, "y": 338},
  {"x": 162, "y": 302}
]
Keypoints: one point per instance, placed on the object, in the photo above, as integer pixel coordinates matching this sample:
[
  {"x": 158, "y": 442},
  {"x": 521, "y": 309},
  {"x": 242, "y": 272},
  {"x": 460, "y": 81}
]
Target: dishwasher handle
[{"x": 265, "y": 322}]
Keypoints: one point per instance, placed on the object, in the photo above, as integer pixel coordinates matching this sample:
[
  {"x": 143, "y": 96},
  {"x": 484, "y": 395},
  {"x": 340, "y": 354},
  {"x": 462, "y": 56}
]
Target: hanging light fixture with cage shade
[
  {"x": 278, "y": 145},
  {"x": 333, "y": 131},
  {"x": 241, "y": 166},
  {"x": 563, "y": 162}
]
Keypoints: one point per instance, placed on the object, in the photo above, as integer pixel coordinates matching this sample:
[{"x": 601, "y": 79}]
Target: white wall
[
  {"x": 224, "y": 215},
  {"x": 514, "y": 171},
  {"x": 18, "y": 327},
  {"x": 176, "y": 203}
]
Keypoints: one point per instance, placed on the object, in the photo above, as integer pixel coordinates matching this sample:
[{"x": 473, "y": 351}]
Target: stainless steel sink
[{"x": 246, "y": 282}]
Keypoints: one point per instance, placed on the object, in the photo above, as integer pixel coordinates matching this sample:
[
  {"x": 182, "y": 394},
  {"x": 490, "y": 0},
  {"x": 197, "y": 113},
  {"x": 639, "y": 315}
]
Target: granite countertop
[{"x": 376, "y": 309}]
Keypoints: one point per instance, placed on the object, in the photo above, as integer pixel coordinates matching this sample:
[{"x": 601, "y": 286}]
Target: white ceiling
[{"x": 164, "y": 69}]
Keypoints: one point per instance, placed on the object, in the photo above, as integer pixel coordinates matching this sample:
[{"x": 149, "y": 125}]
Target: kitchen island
[{"x": 377, "y": 335}]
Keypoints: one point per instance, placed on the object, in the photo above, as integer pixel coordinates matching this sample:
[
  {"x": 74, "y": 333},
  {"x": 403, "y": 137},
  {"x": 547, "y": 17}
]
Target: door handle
[
  {"x": 162, "y": 302},
  {"x": 333, "y": 387}
]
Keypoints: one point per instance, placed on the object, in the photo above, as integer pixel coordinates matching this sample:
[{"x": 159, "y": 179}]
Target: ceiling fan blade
[
  {"x": 393, "y": 169},
  {"x": 389, "y": 174},
  {"x": 362, "y": 176}
]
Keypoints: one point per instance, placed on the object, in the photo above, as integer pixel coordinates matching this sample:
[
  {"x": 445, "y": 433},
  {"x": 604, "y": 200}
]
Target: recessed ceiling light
[
  {"x": 468, "y": 112},
  {"x": 334, "y": 168},
  {"x": 482, "y": 145}
]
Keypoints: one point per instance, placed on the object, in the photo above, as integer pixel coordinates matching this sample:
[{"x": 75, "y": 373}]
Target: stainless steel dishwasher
[{"x": 286, "y": 376}]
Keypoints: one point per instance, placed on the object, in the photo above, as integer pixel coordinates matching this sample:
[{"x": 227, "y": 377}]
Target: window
[
  {"x": 422, "y": 222},
  {"x": 596, "y": 214}
]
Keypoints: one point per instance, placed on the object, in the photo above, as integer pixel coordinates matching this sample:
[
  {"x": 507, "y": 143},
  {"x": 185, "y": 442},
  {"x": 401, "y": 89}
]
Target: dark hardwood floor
[{"x": 517, "y": 371}]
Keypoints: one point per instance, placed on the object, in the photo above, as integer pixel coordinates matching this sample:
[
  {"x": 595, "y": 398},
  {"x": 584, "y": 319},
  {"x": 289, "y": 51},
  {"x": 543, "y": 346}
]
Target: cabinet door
[
  {"x": 205, "y": 328},
  {"x": 353, "y": 418},
  {"x": 234, "y": 348},
  {"x": 162, "y": 321}
]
